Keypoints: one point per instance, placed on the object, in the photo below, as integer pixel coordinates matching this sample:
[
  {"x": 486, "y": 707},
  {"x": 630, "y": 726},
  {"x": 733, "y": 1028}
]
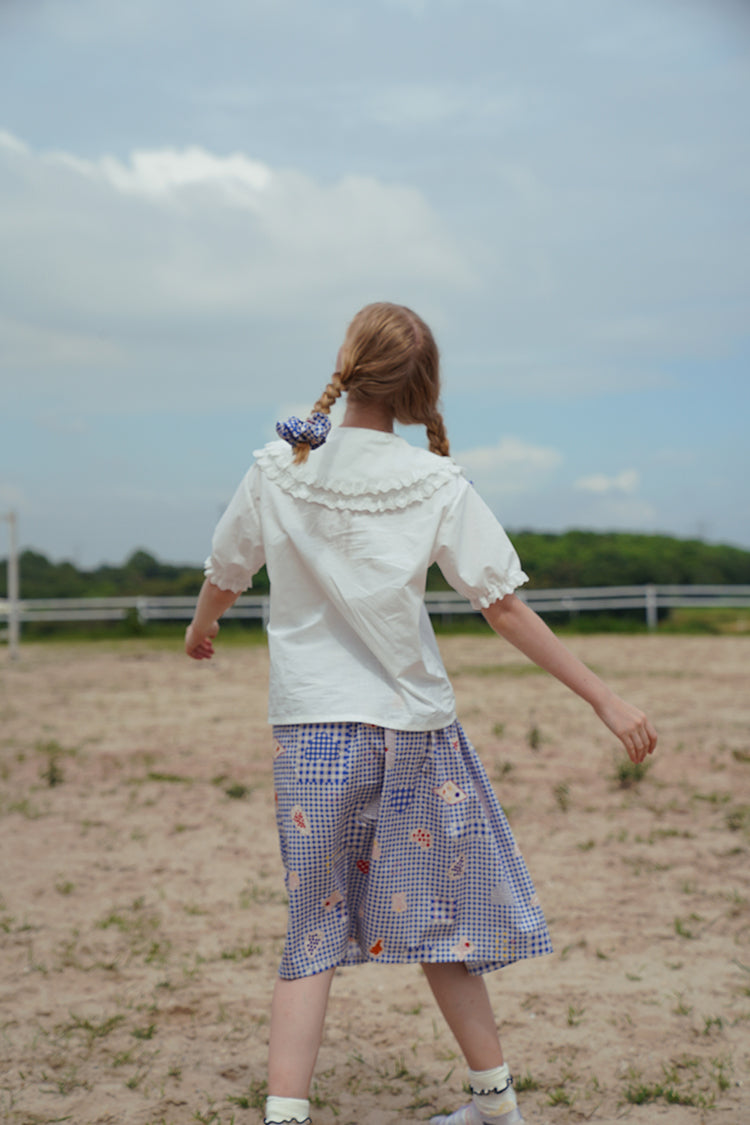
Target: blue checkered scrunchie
[{"x": 313, "y": 431}]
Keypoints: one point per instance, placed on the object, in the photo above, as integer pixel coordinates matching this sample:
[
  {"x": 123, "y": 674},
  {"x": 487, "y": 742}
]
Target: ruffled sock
[
  {"x": 493, "y": 1101},
  {"x": 287, "y": 1111}
]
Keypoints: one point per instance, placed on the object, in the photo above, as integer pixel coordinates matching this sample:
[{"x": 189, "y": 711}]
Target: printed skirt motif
[{"x": 396, "y": 849}]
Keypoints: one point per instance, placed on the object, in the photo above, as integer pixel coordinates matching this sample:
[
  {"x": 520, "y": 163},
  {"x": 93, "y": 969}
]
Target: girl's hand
[
  {"x": 629, "y": 724},
  {"x": 199, "y": 645}
]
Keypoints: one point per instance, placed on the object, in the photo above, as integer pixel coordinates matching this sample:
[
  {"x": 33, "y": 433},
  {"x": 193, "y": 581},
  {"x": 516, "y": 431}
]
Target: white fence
[{"x": 648, "y": 599}]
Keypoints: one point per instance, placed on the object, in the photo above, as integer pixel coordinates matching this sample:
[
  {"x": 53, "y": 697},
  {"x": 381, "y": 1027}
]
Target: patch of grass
[
  {"x": 711, "y": 1023},
  {"x": 669, "y": 833},
  {"x": 568, "y": 949},
  {"x": 720, "y": 1066},
  {"x": 237, "y": 791},
  {"x": 525, "y": 1082},
  {"x": 136, "y": 923},
  {"x": 241, "y": 953},
  {"x": 562, "y": 796},
  {"x": 684, "y": 1082},
  {"x": 53, "y": 751},
  {"x": 124, "y": 1058},
  {"x": 628, "y": 774},
  {"x": 681, "y": 1008},
  {"x": 255, "y": 1098},
  {"x": 255, "y": 895},
  {"x": 513, "y": 670},
  {"x": 738, "y": 904},
  {"x": 534, "y": 737},
  {"x": 737, "y": 819},
  {"x": 93, "y": 1030},
  {"x": 171, "y": 778},
  {"x": 683, "y": 930},
  {"x": 25, "y": 808},
  {"x": 158, "y": 952},
  {"x": 713, "y": 798}
]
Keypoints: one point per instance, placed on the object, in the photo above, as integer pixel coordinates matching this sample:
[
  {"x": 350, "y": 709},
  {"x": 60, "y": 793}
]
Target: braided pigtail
[
  {"x": 437, "y": 436},
  {"x": 323, "y": 406}
]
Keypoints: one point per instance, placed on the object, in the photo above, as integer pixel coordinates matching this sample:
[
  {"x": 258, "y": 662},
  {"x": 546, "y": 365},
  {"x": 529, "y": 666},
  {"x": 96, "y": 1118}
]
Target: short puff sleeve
[
  {"x": 237, "y": 551},
  {"x": 473, "y": 551}
]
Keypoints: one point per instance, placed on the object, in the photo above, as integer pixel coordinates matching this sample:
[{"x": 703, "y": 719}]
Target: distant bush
[{"x": 573, "y": 558}]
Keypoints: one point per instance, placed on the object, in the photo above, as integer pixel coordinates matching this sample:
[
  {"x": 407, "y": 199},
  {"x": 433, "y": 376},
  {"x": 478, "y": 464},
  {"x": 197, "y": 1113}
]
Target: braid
[
  {"x": 437, "y": 436},
  {"x": 323, "y": 406}
]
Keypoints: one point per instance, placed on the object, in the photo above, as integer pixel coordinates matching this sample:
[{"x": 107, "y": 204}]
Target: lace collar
[{"x": 360, "y": 470}]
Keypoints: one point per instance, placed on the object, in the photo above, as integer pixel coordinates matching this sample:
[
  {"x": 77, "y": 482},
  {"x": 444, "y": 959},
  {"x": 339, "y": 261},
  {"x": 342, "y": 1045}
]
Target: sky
[{"x": 196, "y": 198}]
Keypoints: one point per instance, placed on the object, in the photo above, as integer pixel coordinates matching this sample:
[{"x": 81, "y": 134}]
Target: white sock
[
  {"x": 492, "y": 1091},
  {"x": 282, "y": 1110}
]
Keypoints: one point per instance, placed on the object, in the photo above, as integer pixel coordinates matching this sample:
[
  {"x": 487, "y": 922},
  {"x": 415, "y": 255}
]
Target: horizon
[{"x": 188, "y": 565}]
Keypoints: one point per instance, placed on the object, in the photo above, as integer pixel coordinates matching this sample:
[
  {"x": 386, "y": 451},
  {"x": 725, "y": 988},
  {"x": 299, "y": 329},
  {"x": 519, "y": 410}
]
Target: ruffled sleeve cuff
[
  {"x": 230, "y": 577},
  {"x": 498, "y": 589}
]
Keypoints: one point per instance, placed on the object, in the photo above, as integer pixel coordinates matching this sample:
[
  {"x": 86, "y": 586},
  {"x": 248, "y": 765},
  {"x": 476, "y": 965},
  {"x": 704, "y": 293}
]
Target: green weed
[
  {"x": 629, "y": 774},
  {"x": 562, "y": 796},
  {"x": 738, "y": 819},
  {"x": 241, "y": 953},
  {"x": 92, "y": 1030},
  {"x": 681, "y": 1008},
  {"x": 682, "y": 929}
]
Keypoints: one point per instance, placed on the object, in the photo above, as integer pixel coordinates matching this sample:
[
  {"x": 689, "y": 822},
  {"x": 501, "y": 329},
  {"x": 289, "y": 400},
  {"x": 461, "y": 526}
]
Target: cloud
[
  {"x": 146, "y": 270},
  {"x": 163, "y": 173},
  {"x": 511, "y": 466},
  {"x": 625, "y": 482},
  {"x": 610, "y": 511}
]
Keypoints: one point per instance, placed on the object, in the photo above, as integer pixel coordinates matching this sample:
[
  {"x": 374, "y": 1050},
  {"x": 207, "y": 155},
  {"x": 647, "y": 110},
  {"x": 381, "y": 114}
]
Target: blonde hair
[{"x": 390, "y": 356}]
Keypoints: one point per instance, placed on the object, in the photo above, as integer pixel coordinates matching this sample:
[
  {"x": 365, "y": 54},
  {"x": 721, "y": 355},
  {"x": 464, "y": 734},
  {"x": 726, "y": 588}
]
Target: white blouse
[{"x": 347, "y": 538}]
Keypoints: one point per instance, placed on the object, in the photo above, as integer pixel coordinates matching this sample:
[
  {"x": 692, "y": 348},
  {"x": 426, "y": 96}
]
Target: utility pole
[{"x": 13, "y": 591}]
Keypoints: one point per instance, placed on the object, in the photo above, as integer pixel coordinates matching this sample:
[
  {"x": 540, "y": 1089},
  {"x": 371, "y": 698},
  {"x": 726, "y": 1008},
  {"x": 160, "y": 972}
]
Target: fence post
[
  {"x": 14, "y": 609},
  {"x": 652, "y": 607},
  {"x": 141, "y": 610}
]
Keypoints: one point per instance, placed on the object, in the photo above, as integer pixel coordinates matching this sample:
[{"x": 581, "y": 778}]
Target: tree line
[{"x": 572, "y": 558}]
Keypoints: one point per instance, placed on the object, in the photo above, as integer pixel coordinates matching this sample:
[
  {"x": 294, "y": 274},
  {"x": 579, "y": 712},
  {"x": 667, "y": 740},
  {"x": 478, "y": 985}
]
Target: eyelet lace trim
[{"x": 419, "y": 481}]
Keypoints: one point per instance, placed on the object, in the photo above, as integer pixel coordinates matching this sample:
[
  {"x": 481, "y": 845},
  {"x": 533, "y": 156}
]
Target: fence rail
[{"x": 650, "y": 599}]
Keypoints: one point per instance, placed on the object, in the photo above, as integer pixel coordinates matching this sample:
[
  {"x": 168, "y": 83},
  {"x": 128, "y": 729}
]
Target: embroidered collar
[{"x": 360, "y": 470}]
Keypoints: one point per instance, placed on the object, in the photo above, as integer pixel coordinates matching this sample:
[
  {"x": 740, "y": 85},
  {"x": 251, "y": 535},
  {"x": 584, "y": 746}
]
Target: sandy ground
[{"x": 142, "y": 911}]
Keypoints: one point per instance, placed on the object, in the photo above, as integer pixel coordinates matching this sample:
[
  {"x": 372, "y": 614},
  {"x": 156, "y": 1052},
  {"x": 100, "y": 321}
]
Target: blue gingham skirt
[{"x": 396, "y": 849}]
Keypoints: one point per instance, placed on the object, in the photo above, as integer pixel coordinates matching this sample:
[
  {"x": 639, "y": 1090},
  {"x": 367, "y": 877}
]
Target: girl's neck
[{"x": 368, "y": 416}]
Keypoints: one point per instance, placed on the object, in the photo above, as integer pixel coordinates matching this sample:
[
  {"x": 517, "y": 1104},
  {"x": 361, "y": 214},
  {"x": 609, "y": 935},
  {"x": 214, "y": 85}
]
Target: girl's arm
[
  {"x": 212, "y": 602},
  {"x": 517, "y": 623}
]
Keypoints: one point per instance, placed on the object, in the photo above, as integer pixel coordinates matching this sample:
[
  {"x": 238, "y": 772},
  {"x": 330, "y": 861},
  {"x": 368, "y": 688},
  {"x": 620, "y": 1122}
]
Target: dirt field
[{"x": 142, "y": 911}]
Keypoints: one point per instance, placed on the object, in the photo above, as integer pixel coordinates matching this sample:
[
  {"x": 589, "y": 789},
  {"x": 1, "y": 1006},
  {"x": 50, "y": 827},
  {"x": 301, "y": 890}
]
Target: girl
[{"x": 394, "y": 845}]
